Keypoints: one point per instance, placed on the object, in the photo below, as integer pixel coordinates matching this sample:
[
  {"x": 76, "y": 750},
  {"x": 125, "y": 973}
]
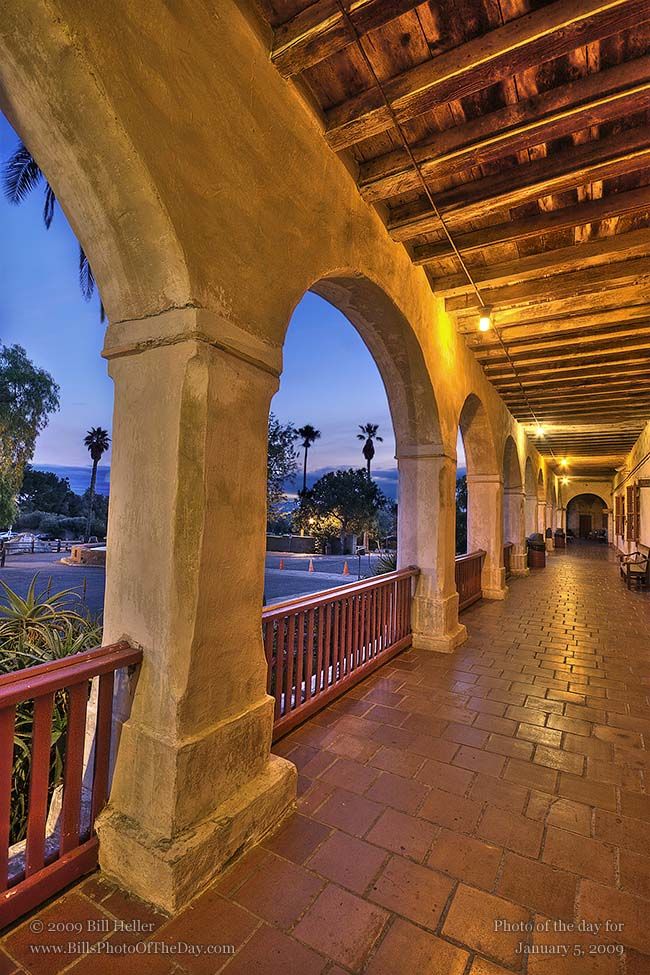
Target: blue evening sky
[{"x": 329, "y": 380}]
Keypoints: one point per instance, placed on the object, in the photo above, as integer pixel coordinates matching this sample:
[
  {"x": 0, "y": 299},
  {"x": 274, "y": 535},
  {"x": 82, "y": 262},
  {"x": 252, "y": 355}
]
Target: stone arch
[
  {"x": 513, "y": 505},
  {"x": 478, "y": 438},
  {"x": 530, "y": 503},
  {"x": 586, "y": 503},
  {"x": 61, "y": 111},
  {"x": 396, "y": 351},
  {"x": 541, "y": 485},
  {"x": 511, "y": 466}
]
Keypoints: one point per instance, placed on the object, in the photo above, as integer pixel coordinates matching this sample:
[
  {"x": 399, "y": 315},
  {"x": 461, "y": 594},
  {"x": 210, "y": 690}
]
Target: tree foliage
[
  {"x": 282, "y": 464},
  {"x": 28, "y": 395},
  {"x": 341, "y": 503},
  {"x": 45, "y": 491}
]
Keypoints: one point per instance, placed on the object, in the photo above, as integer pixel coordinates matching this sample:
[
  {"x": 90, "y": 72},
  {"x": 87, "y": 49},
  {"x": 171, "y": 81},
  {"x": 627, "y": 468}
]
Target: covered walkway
[{"x": 445, "y": 802}]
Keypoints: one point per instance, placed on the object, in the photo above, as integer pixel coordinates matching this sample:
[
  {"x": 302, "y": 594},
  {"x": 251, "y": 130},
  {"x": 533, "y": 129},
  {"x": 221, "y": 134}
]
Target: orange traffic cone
[
  {"x": 346, "y": 571},
  {"x": 282, "y": 563},
  {"x": 311, "y": 565}
]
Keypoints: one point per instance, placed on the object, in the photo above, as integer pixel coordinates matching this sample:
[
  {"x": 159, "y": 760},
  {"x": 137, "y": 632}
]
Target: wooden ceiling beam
[
  {"x": 617, "y": 300},
  {"x": 549, "y": 262},
  {"x": 553, "y": 327},
  {"x": 598, "y": 98},
  {"x": 571, "y": 284},
  {"x": 544, "y": 34},
  {"x": 321, "y": 31},
  {"x": 563, "y": 349},
  {"x": 573, "y": 365},
  {"x": 626, "y": 152},
  {"x": 631, "y": 372},
  {"x": 593, "y": 211}
]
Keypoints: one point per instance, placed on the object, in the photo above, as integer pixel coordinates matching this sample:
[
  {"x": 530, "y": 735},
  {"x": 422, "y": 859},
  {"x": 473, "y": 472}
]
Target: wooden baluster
[
  {"x": 349, "y": 647},
  {"x": 289, "y": 703},
  {"x": 280, "y": 665},
  {"x": 328, "y": 677},
  {"x": 358, "y": 604},
  {"x": 363, "y": 599},
  {"x": 38, "y": 784},
  {"x": 300, "y": 651},
  {"x": 321, "y": 680},
  {"x": 310, "y": 654},
  {"x": 73, "y": 767},
  {"x": 343, "y": 606},
  {"x": 7, "y": 717},
  {"x": 103, "y": 730}
]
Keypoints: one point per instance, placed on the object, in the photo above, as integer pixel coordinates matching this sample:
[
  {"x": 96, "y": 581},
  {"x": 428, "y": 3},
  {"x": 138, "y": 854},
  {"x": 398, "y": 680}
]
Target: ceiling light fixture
[
  {"x": 539, "y": 431},
  {"x": 564, "y": 462},
  {"x": 565, "y": 481},
  {"x": 485, "y": 319}
]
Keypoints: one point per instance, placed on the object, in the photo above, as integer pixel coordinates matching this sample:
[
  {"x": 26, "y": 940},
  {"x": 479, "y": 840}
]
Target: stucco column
[
  {"x": 548, "y": 520},
  {"x": 427, "y": 538},
  {"x": 514, "y": 521},
  {"x": 194, "y": 781},
  {"x": 541, "y": 517},
  {"x": 561, "y": 519},
  {"x": 485, "y": 530}
]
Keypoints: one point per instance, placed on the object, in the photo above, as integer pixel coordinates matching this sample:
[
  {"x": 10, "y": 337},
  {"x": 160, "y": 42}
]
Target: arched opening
[
  {"x": 587, "y": 517},
  {"x": 513, "y": 495},
  {"x": 333, "y": 479},
  {"x": 484, "y": 495},
  {"x": 530, "y": 485}
]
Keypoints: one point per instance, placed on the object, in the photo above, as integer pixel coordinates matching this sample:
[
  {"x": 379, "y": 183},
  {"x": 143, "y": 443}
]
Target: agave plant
[
  {"x": 34, "y": 629},
  {"x": 31, "y": 617}
]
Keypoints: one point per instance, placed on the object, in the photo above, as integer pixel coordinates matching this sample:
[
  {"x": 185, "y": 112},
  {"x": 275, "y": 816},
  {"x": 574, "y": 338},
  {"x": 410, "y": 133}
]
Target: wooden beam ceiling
[
  {"x": 321, "y": 31},
  {"x": 514, "y": 231},
  {"x": 543, "y": 35},
  {"x": 532, "y": 130},
  {"x": 598, "y": 98}
]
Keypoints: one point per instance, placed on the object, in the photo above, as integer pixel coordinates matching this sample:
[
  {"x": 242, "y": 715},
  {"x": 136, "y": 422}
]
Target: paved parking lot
[{"x": 87, "y": 582}]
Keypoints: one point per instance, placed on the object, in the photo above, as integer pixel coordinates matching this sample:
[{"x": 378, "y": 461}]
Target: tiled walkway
[{"x": 447, "y": 805}]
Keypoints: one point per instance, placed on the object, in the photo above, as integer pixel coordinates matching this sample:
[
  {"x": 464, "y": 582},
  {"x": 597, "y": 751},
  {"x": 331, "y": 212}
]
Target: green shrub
[{"x": 35, "y": 629}]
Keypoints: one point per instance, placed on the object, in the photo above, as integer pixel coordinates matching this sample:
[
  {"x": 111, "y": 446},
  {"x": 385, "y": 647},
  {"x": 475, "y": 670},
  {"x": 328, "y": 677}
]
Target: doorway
[{"x": 584, "y": 527}]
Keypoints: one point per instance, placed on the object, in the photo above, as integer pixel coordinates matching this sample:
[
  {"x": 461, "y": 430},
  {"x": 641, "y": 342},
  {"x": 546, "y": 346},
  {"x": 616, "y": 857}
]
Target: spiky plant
[{"x": 34, "y": 629}]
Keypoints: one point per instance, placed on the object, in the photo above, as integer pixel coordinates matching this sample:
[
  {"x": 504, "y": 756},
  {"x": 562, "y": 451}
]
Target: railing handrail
[
  {"x": 30, "y": 682},
  {"x": 312, "y": 600},
  {"x": 478, "y": 553}
]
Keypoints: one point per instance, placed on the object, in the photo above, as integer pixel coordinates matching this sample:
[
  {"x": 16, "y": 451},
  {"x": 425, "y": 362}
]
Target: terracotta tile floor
[{"x": 446, "y": 804}]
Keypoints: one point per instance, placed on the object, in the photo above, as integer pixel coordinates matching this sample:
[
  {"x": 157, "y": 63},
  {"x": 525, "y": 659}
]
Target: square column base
[
  {"x": 170, "y": 873},
  {"x": 435, "y": 623},
  {"x": 499, "y": 592}
]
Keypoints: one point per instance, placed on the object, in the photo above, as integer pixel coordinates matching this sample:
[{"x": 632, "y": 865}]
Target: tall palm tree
[
  {"x": 97, "y": 441},
  {"x": 21, "y": 175},
  {"x": 308, "y": 434},
  {"x": 369, "y": 435}
]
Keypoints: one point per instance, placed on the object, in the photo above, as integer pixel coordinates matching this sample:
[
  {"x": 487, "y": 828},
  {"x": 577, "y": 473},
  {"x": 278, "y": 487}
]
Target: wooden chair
[{"x": 636, "y": 566}]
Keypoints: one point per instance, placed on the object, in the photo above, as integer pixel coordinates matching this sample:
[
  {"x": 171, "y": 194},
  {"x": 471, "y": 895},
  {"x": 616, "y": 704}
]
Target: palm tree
[
  {"x": 97, "y": 441},
  {"x": 308, "y": 434},
  {"x": 20, "y": 177},
  {"x": 369, "y": 435}
]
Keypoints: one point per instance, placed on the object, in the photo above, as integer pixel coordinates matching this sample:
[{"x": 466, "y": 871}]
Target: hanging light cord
[{"x": 432, "y": 203}]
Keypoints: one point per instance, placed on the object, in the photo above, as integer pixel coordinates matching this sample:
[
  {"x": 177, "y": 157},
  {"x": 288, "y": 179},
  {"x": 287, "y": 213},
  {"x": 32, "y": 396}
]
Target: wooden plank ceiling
[{"x": 529, "y": 121}]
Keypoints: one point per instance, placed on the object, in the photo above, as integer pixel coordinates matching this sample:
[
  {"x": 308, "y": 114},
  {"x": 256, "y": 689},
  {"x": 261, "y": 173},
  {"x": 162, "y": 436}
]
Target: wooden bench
[{"x": 635, "y": 567}]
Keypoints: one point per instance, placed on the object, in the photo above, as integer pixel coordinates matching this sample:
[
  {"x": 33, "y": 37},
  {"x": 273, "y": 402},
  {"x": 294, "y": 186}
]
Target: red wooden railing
[
  {"x": 40, "y": 866},
  {"x": 319, "y": 646},
  {"x": 507, "y": 558},
  {"x": 468, "y": 578}
]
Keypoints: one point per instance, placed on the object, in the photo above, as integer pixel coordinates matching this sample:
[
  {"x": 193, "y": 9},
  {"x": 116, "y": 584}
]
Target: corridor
[{"x": 445, "y": 804}]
